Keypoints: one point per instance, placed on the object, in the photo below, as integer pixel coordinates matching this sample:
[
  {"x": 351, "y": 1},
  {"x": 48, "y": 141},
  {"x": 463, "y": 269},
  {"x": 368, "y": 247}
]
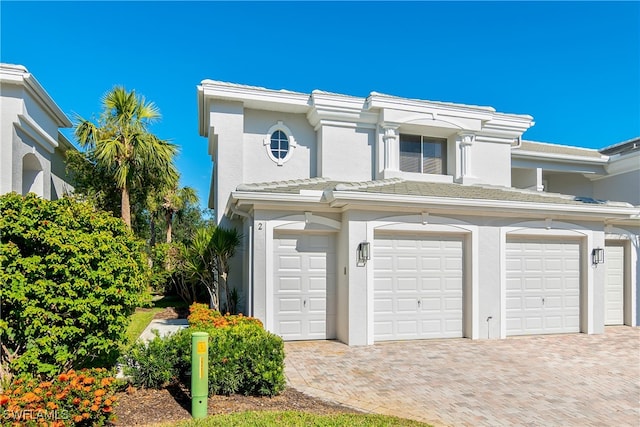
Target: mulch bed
[
  {"x": 148, "y": 407},
  {"x": 173, "y": 313}
]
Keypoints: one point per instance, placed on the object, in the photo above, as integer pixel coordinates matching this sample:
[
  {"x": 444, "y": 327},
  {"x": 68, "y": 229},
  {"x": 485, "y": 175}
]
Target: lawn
[
  {"x": 143, "y": 316},
  {"x": 296, "y": 418}
]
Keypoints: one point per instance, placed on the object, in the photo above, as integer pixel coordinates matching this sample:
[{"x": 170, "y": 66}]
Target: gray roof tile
[
  {"x": 543, "y": 147},
  {"x": 396, "y": 186}
]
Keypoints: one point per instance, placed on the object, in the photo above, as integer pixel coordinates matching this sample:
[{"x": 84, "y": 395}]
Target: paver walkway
[{"x": 559, "y": 380}]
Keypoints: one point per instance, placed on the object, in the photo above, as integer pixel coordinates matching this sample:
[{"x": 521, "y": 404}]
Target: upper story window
[
  {"x": 421, "y": 154},
  {"x": 279, "y": 143}
]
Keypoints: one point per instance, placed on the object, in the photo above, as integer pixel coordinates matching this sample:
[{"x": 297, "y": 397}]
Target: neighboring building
[
  {"x": 612, "y": 173},
  {"x": 32, "y": 149},
  {"x": 385, "y": 218}
]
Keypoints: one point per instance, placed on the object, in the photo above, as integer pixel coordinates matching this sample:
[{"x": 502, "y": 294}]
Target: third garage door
[
  {"x": 543, "y": 286},
  {"x": 418, "y": 284}
]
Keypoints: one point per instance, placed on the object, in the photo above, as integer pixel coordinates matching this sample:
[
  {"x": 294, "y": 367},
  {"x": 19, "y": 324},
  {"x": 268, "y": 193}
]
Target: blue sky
[{"x": 575, "y": 66}]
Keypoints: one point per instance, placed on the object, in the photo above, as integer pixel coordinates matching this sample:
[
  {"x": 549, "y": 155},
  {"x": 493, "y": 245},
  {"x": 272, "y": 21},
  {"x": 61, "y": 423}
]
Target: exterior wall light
[
  {"x": 364, "y": 253},
  {"x": 597, "y": 256}
]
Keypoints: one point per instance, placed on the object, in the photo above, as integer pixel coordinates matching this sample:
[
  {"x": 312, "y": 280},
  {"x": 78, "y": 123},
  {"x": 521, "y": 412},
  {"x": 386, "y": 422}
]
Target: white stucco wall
[
  {"x": 347, "y": 153},
  {"x": 624, "y": 187},
  {"x": 227, "y": 120},
  {"x": 59, "y": 178},
  {"x": 23, "y": 148},
  {"x": 568, "y": 183},
  {"x": 258, "y": 166},
  {"x": 29, "y": 121},
  {"x": 530, "y": 179},
  {"x": 491, "y": 163}
]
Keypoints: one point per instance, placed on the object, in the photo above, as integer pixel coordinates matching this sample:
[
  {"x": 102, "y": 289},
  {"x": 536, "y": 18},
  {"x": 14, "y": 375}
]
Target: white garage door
[
  {"x": 543, "y": 287},
  {"x": 304, "y": 286},
  {"x": 614, "y": 285},
  {"x": 417, "y": 287}
]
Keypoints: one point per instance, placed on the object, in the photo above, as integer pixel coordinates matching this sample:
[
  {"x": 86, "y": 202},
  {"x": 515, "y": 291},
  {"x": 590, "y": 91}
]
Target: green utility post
[{"x": 199, "y": 374}]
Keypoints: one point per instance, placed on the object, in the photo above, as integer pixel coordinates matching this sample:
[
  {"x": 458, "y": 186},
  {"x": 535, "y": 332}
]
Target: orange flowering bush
[
  {"x": 202, "y": 317},
  {"x": 73, "y": 398}
]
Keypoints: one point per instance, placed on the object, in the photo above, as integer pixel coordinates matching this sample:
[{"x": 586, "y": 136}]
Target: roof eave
[
  {"x": 367, "y": 200},
  {"x": 19, "y": 75},
  {"x": 534, "y": 155},
  {"x": 338, "y": 198}
]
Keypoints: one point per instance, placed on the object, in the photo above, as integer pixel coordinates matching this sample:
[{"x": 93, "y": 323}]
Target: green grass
[
  {"x": 296, "y": 418},
  {"x": 139, "y": 320},
  {"x": 143, "y": 316}
]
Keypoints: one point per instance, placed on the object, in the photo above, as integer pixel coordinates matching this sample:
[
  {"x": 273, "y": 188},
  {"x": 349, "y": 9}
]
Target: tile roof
[
  {"x": 397, "y": 186},
  {"x": 623, "y": 147},
  {"x": 543, "y": 147}
]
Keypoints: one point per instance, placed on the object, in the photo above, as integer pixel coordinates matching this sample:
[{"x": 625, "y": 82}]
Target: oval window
[{"x": 279, "y": 144}]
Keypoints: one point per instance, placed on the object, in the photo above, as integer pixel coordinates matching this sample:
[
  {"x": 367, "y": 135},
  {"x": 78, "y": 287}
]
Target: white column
[
  {"x": 465, "y": 141},
  {"x": 391, "y": 148},
  {"x": 539, "y": 183}
]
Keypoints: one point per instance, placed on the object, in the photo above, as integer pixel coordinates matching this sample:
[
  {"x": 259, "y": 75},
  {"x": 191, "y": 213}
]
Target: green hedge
[
  {"x": 242, "y": 359},
  {"x": 70, "y": 276}
]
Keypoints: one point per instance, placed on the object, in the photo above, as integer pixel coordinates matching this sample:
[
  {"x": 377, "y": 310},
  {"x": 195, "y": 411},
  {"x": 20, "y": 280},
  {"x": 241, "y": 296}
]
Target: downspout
[
  {"x": 250, "y": 298},
  {"x": 518, "y": 142}
]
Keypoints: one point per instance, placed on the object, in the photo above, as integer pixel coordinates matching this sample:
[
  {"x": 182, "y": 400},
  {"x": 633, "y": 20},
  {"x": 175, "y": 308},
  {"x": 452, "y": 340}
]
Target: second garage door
[
  {"x": 418, "y": 285},
  {"x": 543, "y": 286}
]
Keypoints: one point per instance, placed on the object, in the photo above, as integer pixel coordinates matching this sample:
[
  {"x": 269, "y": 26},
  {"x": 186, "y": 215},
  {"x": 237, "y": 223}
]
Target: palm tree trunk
[
  {"x": 169, "y": 216},
  {"x": 152, "y": 231},
  {"x": 125, "y": 210},
  {"x": 227, "y": 295}
]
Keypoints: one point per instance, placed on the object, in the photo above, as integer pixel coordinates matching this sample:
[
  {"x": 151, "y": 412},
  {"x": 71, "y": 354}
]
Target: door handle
[
  {"x": 542, "y": 300},
  {"x": 419, "y": 303},
  {"x": 304, "y": 303}
]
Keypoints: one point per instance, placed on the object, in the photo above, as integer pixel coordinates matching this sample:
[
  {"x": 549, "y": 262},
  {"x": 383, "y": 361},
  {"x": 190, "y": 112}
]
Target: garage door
[
  {"x": 543, "y": 287},
  {"x": 614, "y": 285},
  {"x": 417, "y": 287},
  {"x": 304, "y": 286}
]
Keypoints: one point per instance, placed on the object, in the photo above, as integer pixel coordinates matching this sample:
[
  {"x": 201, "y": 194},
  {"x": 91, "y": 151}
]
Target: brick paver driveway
[{"x": 561, "y": 380}]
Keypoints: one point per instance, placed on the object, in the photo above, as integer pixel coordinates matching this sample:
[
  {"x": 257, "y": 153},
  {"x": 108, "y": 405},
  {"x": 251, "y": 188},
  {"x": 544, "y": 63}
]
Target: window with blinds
[{"x": 421, "y": 154}]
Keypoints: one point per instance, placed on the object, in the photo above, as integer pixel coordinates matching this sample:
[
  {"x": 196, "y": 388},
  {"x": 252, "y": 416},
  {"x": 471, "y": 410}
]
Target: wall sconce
[
  {"x": 364, "y": 253},
  {"x": 597, "y": 256}
]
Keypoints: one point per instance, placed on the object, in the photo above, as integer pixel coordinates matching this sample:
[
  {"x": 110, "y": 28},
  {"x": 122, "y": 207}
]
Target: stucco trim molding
[
  {"x": 39, "y": 135},
  {"x": 299, "y": 222}
]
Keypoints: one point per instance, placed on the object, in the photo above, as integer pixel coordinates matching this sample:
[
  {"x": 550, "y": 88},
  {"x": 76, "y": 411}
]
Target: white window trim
[
  {"x": 266, "y": 142},
  {"x": 444, "y": 142}
]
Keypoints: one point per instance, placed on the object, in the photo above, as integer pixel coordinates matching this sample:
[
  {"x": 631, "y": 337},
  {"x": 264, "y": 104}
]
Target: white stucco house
[
  {"x": 32, "y": 149},
  {"x": 386, "y": 218}
]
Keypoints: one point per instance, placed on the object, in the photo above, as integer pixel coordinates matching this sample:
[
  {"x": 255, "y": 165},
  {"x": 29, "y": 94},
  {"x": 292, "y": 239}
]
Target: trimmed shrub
[
  {"x": 83, "y": 398},
  {"x": 153, "y": 364},
  {"x": 70, "y": 276},
  {"x": 243, "y": 358},
  {"x": 202, "y": 317}
]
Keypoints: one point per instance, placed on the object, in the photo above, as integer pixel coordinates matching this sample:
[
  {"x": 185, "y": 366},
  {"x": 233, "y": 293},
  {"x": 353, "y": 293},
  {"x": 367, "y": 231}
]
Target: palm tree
[
  {"x": 200, "y": 263},
  {"x": 122, "y": 143},
  {"x": 224, "y": 242},
  {"x": 175, "y": 200}
]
